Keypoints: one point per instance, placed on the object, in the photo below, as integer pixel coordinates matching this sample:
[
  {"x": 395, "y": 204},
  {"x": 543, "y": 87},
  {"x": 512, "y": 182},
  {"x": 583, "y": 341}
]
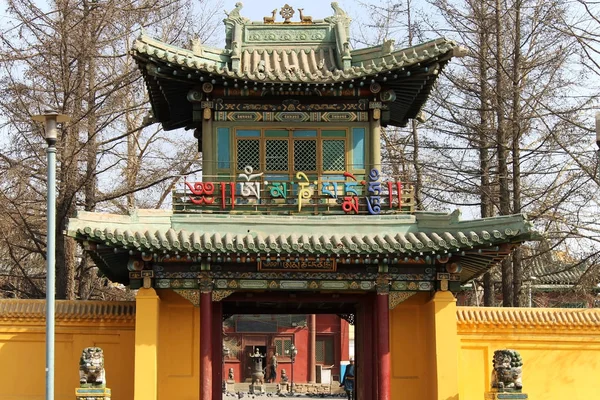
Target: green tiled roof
[
  {"x": 551, "y": 269},
  {"x": 291, "y": 65},
  {"x": 423, "y": 234},
  {"x": 314, "y": 56}
]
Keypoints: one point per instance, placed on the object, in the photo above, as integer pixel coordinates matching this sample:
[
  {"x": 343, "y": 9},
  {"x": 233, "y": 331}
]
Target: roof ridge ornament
[
  {"x": 287, "y": 12},
  {"x": 388, "y": 46},
  {"x": 271, "y": 19},
  {"x": 235, "y": 15},
  {"x": 197, "y": 49},
  {"x": 305, "y": 19},
  {"x": 341, "y": 20}
]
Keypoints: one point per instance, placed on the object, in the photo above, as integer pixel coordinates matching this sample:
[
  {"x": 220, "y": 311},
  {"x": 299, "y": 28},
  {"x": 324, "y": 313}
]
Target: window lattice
[
  {"x": 320, "y": 352},
  {"x": 277, "y": 155},
  {"x": 324, "y": 350},
  {"x": 248, "y": 153},
  {"x": 334, "y": 155},
  {"x": 282, "y": 346},
  {"x": 305, "y": 155}
]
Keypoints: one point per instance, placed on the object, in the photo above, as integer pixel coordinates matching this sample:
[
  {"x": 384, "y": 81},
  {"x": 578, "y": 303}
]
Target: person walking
[
  {"x": 348, "y": 381},
  {"x": 272, "y": 376}
]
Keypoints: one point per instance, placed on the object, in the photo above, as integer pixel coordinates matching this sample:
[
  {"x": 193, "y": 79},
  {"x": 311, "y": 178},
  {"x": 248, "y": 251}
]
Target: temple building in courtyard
[{"x": 295, "y": 220}]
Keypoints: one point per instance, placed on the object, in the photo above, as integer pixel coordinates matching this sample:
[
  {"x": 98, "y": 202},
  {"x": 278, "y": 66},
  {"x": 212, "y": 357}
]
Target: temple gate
[{"x": 294, "y": 208}]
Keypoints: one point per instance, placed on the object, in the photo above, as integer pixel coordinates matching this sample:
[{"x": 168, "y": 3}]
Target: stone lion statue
[
  {"x": 91, "y": 367},
  {"x": 506, "y": 376}
]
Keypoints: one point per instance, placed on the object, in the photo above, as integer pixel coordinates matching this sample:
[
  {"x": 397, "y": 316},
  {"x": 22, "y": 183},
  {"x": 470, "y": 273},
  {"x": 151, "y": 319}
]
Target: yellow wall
[
  {"x": 179, "y": 348},
  {"x": 79, "y": 325},
  {"x": 560, "y": 350},
  {"x": 424, "y": 348},
  {"x": 411, "y": 372}
]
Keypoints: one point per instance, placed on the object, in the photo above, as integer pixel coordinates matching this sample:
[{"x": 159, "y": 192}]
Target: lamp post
[
  {"x": 225, "y": 353},
  {"x": 50, "y": 119},
  {"x": 293, "y": 351}
]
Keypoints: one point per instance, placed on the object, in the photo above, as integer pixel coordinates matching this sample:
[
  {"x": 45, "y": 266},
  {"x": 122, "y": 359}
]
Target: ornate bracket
[
  {"x": 191, "y": 295},
  {"x": 218, "y": 295},
  {"x": 398, "y": 297},
  {"x": 350, "y": 318}
]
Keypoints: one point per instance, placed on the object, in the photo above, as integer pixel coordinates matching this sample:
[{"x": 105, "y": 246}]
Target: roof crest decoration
[
  {"x": 292, "y": 36},
  {"x": 342, "y": 23}
]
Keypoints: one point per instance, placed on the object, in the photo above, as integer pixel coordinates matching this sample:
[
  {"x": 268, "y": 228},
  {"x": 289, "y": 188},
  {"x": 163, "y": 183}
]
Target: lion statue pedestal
[
  {"x": 92, "y": 377},
  {"x": 507, "y": 376}
]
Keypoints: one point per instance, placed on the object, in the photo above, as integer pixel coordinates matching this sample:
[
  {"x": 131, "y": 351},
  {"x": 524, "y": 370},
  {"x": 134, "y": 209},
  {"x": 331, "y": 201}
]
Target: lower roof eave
[{"x": 477, "y": 245}]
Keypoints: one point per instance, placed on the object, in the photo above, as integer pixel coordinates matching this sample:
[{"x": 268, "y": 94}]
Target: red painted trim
[
  {"x": 206, "y": 375},
  {"x": 383, "y": 347}
]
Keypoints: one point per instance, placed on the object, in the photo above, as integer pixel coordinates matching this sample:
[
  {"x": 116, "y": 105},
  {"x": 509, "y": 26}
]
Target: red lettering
[
  {"x": 350, "y": 204},
  {"x": 224, "y": 194}
]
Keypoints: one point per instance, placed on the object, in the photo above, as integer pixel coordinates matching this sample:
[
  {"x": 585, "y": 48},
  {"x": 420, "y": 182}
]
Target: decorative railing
[
  {"x": 255, "y": 193},
  {"x": 496, "y": 318},
  {"x": 67, "y": 310}
]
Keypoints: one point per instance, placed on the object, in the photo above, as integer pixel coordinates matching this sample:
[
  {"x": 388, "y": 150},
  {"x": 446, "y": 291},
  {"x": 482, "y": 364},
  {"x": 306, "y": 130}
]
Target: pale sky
[{"x": 318, "y": 9}]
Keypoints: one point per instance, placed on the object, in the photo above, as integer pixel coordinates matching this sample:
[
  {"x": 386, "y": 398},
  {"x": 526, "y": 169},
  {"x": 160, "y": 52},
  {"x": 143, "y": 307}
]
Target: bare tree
[
  {"x": 516, "y": 82},
  {"x": 74, "y": 58}
]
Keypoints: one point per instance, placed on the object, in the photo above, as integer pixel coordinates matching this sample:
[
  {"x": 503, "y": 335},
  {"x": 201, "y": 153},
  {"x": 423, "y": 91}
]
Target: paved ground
[
  {"x": 240, "y": 391},
  {"x": 272, "y": 396}
]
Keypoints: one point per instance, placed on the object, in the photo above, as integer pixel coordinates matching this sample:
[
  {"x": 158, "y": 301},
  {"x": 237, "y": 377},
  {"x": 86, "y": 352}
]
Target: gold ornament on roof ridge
[
  {"x": 287, "y": 12},
  {"x": 271, "y": 19}
]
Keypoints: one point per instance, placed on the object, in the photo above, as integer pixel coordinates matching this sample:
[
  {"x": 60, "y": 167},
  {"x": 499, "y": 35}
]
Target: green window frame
[{"x": 287, "y": 151}]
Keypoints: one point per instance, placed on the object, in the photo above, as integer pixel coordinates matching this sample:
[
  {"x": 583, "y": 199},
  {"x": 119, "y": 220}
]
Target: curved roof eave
[
  {"x": 480, "y": 243},
  {"x": 217, "y": 62}
]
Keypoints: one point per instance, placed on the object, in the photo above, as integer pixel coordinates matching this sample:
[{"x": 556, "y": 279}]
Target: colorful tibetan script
[{"x": 352, "y": 195}]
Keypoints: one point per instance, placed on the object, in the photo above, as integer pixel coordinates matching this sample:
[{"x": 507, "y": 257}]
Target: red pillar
[
  {"x": 312, "y": 348},
  {"x": 374, "y": 350},
  {"x": 217, "y": 350},
  {"x": 345, "y": 340},
  {"x": 364, "y": 355},
  {"x": 206, "y": 375},
  {"x": 383, "y": 346}
]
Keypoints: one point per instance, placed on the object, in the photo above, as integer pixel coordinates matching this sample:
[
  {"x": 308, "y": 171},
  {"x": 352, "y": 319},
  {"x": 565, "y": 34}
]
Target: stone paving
[
  {"x": 271, "y": 396},
  {"x": 302, "y": 391}
]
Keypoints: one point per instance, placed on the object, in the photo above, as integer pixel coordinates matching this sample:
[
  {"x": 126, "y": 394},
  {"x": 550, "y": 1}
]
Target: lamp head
[{"x": 51, "y": 118}]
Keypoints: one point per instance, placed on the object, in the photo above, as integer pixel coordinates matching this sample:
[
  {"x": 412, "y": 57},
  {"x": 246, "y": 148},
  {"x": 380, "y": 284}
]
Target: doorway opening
[{"x": 310, "y": 337}]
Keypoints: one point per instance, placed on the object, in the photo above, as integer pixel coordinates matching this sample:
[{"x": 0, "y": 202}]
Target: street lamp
[
  {"x": 50, "y": 118},
  {"x": 293, "y": 352},
  {"x": 226, "y": 352}
]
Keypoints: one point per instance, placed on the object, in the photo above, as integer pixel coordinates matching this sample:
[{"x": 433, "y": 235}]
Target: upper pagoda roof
[
  {"x": 478, "y": 243},
  {"x": 307, "y": 52}
]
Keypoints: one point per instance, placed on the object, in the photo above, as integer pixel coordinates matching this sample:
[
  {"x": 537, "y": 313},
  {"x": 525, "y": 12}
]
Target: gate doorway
[{"x": 320, "y": 326}]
